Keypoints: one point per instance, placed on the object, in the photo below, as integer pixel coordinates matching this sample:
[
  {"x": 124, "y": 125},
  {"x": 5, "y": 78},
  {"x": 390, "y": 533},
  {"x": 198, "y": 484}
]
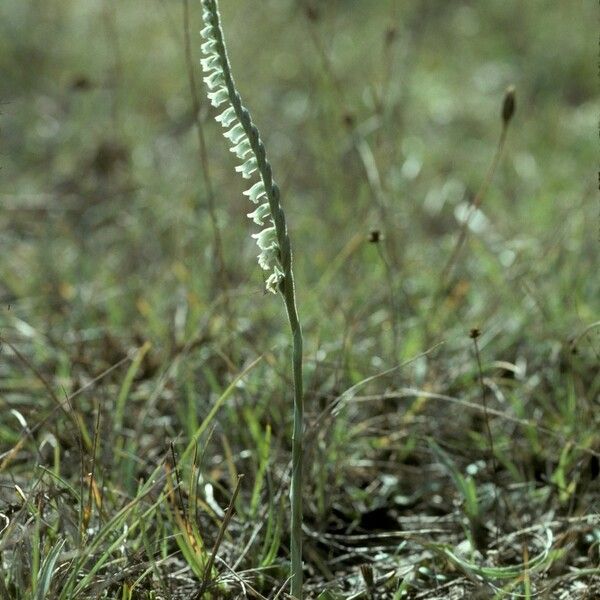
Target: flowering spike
[{"x": 245, "y": 144}]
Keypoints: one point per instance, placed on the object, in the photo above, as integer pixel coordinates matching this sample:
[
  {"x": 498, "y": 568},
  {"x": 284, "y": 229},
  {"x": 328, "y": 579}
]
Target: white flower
[
  {"x": 248, "y": 168},
  {"x": 274, "y": 279},
  {"x": 256, "y": 192},
  {"x": 266, "y": 239},
  {"x": 268, "y": 259},
  {"x": 242, "y": 148},
  {"x": 227, "y": 117},
  {"x": 216, "y": 78},
  {"x": 210, "y": 63},
  {"x": 207, "y": 32},
  {"x": 209, "y": 47},
  {"x": 260, "y": 214},
  {"x": 218, "y": 97},
  {"x": 236, "y": 133}
]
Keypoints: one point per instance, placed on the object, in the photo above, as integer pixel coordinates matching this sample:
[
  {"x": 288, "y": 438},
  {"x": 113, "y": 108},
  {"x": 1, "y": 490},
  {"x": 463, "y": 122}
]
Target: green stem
[{"x": 297, "y": 440}]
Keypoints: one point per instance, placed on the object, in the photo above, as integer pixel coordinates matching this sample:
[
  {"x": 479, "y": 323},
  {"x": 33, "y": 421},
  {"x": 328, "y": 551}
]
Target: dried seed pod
[
  {"x": 375, "y": 236},
  {"x": 508, "y": 105}
]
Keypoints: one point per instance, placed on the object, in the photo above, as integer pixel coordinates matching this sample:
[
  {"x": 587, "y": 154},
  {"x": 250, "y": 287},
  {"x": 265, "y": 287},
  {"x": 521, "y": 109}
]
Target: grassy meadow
[{"x": 446, "y": 267}]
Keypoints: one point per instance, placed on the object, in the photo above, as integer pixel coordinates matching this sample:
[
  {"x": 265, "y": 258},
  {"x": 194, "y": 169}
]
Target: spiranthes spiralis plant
[{"x": 273, "y": 241}]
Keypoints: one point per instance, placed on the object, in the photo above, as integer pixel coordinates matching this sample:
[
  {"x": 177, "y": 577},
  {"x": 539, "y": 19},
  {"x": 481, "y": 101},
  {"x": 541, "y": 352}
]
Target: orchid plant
[{"x": 273, "y": 240}]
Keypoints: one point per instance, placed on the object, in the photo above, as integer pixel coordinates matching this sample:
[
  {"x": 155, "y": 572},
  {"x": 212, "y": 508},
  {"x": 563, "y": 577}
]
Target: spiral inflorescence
[{"x": 246, "y": 144}]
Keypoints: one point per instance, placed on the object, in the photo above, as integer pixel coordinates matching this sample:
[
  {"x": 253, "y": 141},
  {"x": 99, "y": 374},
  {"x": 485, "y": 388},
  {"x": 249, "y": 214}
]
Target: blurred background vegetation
[{"x": 379, "y": 116}]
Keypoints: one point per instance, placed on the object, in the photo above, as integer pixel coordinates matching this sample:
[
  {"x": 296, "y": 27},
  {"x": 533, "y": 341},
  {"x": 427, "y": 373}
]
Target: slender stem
[
  {"x": 494, "y": 469},
  {"x": 446, "y": 275},
  {"x": 297, "y": 439},
  {"x": 464, "y": 230},
  {"x": 393, "y": 304}
]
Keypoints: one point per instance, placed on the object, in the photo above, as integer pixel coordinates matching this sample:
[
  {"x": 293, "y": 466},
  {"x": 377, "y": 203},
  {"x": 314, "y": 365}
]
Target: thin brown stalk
[
  {"x": 475, "y": 204},
  {"x": 486, "y": 418},
  {"x": 87, "y": 512},
  {"x": 508, "y": 109}
]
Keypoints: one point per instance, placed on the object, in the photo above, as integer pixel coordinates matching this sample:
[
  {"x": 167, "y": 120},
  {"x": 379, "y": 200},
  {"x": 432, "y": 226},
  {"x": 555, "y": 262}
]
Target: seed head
[
  {"x": 508, "y": 105},
  {"x": 474, "y": 333},
  {"x": 375, "y": 236}
]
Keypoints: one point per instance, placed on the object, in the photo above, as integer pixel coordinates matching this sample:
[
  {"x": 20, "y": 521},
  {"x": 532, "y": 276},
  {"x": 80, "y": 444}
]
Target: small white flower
[
  {"x": 274, "y": 279},
  {"x": 256, "y": 192},
  {"x": 209, "y": 47},
  {"x": 248, "y": 168},
  {"x": 210, "y": 63},
  {"x": 266, "y": 239},
  {"x": 260, "y": 214},
  {"x": 218, "y": 97},
  {"x": 242, "y": 148},
  {"x": 207, "y": 32},
  {"x": 268, "y": 259},
  {"x": 227, "y": 117},
  {"x": 214, "y": 79},
  {"x": 236, "y": 133}
]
